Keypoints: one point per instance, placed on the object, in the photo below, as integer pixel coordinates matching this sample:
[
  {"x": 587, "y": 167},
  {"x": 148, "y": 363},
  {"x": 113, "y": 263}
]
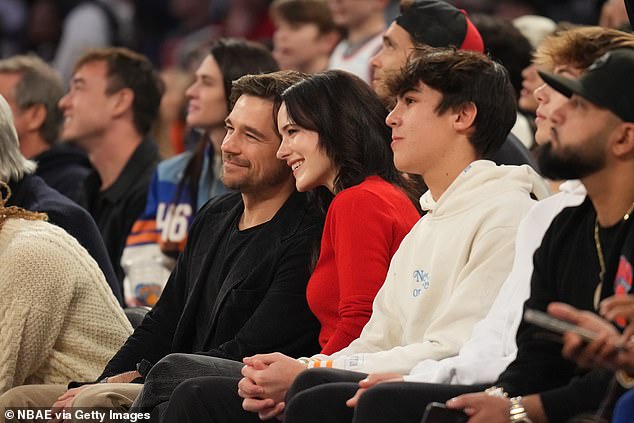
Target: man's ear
[
  {"x": 624, "y": 145},
  {"x": 123, "y": 100},
  {"x": 36, "y": 116},
  {"x": 465, "y": 117}
]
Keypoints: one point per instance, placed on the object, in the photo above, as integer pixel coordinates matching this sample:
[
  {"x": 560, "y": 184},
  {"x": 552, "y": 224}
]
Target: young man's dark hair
[
  {"x": 127, "y": 69},
  {"x": 464, "y": 77}
]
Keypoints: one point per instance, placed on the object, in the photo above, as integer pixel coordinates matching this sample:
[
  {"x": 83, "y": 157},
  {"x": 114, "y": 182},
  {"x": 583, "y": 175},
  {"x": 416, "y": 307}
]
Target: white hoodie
[
  {"x": 492, "y": 345},
  {"x": 446, "y": 273}
]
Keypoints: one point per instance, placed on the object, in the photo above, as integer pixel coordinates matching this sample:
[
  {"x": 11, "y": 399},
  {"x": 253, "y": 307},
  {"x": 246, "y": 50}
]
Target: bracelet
[
  {"x": 496, "y": 391},
  {"x": 104, "y": 380},
  {"x": 517, "y": 413}
]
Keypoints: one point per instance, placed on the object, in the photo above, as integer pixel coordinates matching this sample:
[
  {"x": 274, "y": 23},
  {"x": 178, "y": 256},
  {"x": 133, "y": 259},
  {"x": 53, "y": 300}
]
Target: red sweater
[{"x": 364, "y": 227}]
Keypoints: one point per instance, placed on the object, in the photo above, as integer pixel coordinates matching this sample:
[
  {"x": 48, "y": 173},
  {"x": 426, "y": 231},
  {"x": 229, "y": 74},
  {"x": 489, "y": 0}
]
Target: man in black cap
[
  {"x": 583, "y": 258},
  {"x": 434, "y": 23}
]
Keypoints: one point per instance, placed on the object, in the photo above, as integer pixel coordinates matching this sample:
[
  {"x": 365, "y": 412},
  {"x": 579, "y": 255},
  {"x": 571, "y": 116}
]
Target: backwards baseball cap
[
  {"x": 439, "y": 24},
  {"x": 607, "y": 83}
]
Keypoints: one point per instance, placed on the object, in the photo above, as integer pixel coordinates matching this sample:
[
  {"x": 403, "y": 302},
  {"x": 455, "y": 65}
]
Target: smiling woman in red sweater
[{"x": 335, "y": 139}]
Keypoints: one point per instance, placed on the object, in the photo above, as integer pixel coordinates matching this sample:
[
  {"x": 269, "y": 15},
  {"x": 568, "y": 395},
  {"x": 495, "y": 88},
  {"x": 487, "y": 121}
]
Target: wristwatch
[{"x": 517, "y": 412}]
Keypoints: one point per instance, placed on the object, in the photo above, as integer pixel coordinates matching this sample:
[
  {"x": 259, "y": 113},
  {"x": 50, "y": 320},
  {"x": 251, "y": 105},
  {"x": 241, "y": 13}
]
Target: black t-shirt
[
  {"x": 229, "y": 248},
  {"x": 116, "y": 209},
  {"x": 566, "y": 269}
]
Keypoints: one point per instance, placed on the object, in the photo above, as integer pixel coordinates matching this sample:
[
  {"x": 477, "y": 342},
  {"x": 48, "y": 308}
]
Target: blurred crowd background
[
  {"x": 174, "y": 35},
  {"x": 163, "y": 30}
]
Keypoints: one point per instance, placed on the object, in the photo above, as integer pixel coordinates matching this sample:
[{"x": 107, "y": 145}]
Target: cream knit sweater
[{"x": 58, "y": 318}]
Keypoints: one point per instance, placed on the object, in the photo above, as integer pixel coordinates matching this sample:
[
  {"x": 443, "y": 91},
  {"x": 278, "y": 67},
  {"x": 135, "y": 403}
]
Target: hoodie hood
[{"x": 480, "y": 181}]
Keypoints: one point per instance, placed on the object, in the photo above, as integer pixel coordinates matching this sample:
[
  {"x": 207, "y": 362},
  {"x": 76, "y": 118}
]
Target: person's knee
[
  {"x": 15, "y": 397},
  {"x": 166, "y": 365},
  {"x": 31, "y": 396},
  {"x": 373, "y": 402},
  {"x": 119, "y": 396},
  {"x": 375, "y": 394},
  {"x": 187, "y": 392},
  {"x": 308, "y": 379},
  {"x": 299, "y": 406},
  {"x": 90, "y": 396}
]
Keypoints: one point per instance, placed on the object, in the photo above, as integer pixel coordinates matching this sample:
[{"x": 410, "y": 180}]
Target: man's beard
[
  {"x": 568, "y": 164},
  {"x": 250, "y": 185}
]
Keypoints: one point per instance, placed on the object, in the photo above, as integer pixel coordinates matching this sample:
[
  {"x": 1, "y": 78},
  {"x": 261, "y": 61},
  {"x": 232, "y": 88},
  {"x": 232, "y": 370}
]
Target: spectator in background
[
  {"x": 113, "y": 100},
  {"x": 59, "y": 319},
  {"x": 434, "y": 23},
  {"x": 535, "y": 29},
  {"x": 32, "y": 88},
  {"x": 614, "y": 15},
  {"x": 193, "y": 28},
  {"x": 182, "y": 185},
  {"x": 43, "y": 29},
  {"x": 507, "y": 45},
  {"x": 13, "y": 16},
  {"x": 31, "y": 192},
  {"x": 92, "y": 24},
  {"x": 421, "y": 23},
  {"x": 363, "y": 23},
  {"x": 248, "y": 19},
  {"x": 170, "y": 128},
  {"x": 304, "y": 36}
]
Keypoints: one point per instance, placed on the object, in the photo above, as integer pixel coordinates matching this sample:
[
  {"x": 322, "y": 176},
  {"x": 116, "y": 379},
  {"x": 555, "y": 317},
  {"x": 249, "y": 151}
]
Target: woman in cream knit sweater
[{"x": 58, "y": 318}]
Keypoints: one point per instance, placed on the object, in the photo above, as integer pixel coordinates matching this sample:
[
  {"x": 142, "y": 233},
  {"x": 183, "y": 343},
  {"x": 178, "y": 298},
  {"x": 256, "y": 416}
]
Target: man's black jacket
[{"x": 261, "y": 306}]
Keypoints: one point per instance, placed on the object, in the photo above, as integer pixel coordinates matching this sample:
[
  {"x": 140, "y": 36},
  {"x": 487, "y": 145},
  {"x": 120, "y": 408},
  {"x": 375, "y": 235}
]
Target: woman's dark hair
[
  {"x": 350, "y": 120},
  {"x": 235, "y": 58}
]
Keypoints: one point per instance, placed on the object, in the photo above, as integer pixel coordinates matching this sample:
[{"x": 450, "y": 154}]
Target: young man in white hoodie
[{"x": 453, "y": 108}]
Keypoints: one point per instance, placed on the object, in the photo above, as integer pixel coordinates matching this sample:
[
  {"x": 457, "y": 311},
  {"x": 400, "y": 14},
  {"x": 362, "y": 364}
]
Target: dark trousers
[
  {"x": 209, "y": 400},
  {"x": 319, "y": 395},
  {"x": 216, "y": 400}
]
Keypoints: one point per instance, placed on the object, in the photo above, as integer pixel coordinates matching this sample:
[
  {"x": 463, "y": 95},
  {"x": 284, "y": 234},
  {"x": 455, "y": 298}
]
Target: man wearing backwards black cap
[
  {"x": 431, "y": 23},
  {"x": 593, "y": 140},
  {"x": 434, "y": 23}
]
